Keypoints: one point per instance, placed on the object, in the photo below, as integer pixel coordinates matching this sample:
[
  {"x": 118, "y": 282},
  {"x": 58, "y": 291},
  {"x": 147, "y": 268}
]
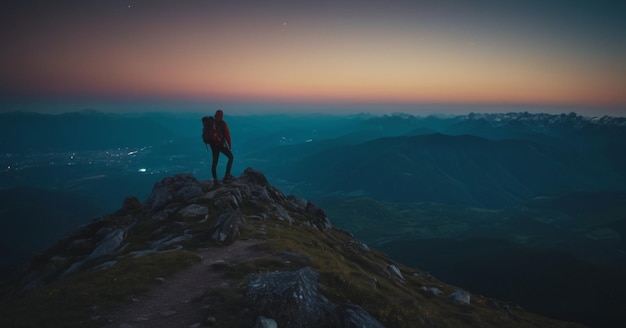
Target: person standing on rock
[{"x": 217, "y": 135}]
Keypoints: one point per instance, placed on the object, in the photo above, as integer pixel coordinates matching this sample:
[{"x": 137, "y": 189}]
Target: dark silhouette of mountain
[
  {"x": 569, "y": 287},
  {"x": 33, "y": 218},
  {"x": 463, "y": 170},
  {"x": 267, "y": 257}
]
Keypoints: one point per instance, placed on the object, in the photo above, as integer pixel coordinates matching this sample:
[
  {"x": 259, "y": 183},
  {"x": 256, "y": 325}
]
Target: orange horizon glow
[{"x": 291, "y": 56}]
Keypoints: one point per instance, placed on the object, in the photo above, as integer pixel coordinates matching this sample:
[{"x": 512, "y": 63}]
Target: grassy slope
[{"x": 542, "y": 256}]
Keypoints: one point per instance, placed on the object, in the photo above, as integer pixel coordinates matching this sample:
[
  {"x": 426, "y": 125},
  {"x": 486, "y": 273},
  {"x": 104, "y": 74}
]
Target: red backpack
[{"x": 212, "y": 131}]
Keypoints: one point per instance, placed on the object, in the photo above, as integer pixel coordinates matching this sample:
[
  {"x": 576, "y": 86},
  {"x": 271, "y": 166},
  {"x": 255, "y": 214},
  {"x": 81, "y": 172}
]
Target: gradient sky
[{"x": 314, "y": 53}]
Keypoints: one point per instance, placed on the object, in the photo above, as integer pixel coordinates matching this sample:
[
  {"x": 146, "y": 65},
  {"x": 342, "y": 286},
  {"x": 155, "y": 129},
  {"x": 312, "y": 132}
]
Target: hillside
[
  {"x": 462, "y": 170},
  {"x": 237, "y": 254}
]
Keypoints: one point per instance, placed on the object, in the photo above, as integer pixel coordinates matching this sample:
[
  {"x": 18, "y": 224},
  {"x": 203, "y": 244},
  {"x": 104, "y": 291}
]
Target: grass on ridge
[{"x": 74, "y": 301}]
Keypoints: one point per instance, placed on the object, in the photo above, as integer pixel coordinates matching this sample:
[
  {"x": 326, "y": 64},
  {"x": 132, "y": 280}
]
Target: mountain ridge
[{"x": 340, "y": 282}]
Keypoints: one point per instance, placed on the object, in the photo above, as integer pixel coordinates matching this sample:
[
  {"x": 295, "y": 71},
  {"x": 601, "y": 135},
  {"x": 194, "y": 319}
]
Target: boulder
[
  {"x": 179, "y": 188},
  {"x": 226, "y": 226},
  {"x": 353, "y": 316},
  {"x": 320, "y": 219},
  {"x": 395, "y": 270},
  {"x": 459, "y": 297},
  {"x": 252, "y": 176},
  {"x": 291, "y": 298},
  {"x": 263, "y": 322},
  {"x": 109, "y": 245},
  {"x": 194, "y": 211}
]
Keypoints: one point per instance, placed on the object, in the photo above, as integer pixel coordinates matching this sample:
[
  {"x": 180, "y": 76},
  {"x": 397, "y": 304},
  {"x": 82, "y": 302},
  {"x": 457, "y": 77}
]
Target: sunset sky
[{"x": 168, "y": 55}]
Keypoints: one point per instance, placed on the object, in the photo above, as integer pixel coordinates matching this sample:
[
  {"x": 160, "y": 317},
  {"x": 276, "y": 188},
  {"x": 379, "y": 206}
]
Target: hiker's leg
[
  {"x": 216, "y": 155},
  {"x": 229, "y": 165}
]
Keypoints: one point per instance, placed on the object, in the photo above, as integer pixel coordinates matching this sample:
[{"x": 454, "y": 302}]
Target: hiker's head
[{"x": 219, "y": 115}]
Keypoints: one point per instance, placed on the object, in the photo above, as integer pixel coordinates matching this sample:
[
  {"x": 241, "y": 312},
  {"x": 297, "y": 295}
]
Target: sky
[{"x": 340, "y": 55}]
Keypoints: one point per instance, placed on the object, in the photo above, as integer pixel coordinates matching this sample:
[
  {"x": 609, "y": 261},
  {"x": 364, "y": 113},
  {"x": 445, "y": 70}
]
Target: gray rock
[
  {"x": 353, "y": 316},
  {"x": 263, "y": 322},
  {"x": 79, "y": 244},
  {"x": 179, "y": 188},
  {"x": 105, "y": 265},
  {"x": 395, "y": 270},
  {"x": 282, "y": 214},
  {"x": 103, "y": 232},
  {"x": 298, "y": 258},
  {"x": 261, "y": 193},
  {"x": 109, "y": 245},
  {"x": 226, "y": 227},
  {"x": 193, "y": 211},
  {"x": 166, "y": 211},
  {"x": 252, "y": 176},
  {"x": 297, "y": 201},
  {"x": 229, "y": 200},
  {"x": 220, "y": 265},
  {"x": 459, "y": 297},
  {"x": 356, "y": 247},
  {"x": 167, "y": 241},
  {"x": 431, "y": 291},
  {"x": 291, "y": 298},
  {"x": 321, "y": 220}
]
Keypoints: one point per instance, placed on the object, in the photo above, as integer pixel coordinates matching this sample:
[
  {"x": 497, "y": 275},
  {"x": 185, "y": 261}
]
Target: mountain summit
[{"x": 241, "y": 254}]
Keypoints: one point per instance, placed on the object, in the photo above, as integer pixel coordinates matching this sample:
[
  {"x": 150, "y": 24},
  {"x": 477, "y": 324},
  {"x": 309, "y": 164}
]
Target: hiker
[{"x": 217, "y": 135}]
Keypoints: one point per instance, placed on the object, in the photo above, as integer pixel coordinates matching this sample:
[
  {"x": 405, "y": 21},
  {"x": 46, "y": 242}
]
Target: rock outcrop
[{"x": 173, "y": 201}]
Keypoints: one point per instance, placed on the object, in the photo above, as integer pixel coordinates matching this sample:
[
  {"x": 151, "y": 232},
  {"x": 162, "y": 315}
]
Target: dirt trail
[{"x": 171, "y": 305}]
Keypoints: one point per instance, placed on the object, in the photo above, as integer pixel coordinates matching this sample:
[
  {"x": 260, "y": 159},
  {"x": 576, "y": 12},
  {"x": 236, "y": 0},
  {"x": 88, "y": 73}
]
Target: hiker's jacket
[{"x": 219, "y": 118}]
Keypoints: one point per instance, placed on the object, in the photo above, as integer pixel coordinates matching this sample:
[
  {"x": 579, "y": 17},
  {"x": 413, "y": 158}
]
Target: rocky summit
[{"x": 239, "y": 254}]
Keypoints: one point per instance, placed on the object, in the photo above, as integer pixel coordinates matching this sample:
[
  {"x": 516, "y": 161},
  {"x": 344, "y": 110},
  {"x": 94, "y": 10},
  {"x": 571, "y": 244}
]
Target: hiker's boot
[
  {"x": 216, "y": 183},
  {"x": 228, "y": 177}
]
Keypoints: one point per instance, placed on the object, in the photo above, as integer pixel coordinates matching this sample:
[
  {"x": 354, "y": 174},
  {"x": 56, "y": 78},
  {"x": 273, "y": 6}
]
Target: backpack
[{"x": 212, "y": 131}]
